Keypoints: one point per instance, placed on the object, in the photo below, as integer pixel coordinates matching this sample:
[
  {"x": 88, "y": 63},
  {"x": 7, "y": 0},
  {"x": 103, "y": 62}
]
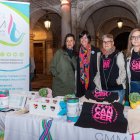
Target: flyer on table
[{"x": 14, "y": 45}]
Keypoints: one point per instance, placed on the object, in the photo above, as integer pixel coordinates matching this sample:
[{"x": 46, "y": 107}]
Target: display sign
[{"x": 14, "y": 45}]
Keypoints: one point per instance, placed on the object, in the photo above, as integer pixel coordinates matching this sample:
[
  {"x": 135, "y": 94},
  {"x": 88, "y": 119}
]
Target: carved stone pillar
[{"x": 66, "y": 19}]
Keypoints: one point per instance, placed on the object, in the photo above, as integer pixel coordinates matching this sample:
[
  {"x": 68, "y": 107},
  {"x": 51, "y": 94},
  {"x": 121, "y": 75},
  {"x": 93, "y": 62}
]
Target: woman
[
  {"x": 112, "y": 71},
  {"x": 87, "y": 56},
  {"x": 63, "y": 68},
  {"x": 133, "y": 60}
]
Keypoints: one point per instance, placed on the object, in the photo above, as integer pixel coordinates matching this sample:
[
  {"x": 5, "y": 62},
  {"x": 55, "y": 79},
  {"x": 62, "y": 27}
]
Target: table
[
  {"x": 28, "y": 127},
  {"x": 22, "y": 127},
  {"x": 2, "y": 121}
]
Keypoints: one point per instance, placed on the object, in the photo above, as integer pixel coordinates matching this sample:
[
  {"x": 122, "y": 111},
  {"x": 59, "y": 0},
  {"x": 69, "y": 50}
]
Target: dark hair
[
  {"x": 85, "y": 33},
  {"x": 68, "y": 35}
]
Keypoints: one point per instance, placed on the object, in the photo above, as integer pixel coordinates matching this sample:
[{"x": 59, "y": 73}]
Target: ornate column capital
[{"x": 63, "y": 2}]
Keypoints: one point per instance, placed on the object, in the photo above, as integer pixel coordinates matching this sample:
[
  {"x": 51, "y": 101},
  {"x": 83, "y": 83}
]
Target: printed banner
[{"x": 14, "y": 45}]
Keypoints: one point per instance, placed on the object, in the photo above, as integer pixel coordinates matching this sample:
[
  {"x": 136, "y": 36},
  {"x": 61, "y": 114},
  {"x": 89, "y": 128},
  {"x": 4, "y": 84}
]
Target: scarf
[
  {"x": 106, "y": 53},
  {"x": 70, "y": 52},
  {"x": 84, "y": 56}
]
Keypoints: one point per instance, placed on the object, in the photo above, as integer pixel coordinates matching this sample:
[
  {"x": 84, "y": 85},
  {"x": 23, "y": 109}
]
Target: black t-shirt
[
  {"x": 135, "y": 66},
  {"x": 103, "y": 117}
]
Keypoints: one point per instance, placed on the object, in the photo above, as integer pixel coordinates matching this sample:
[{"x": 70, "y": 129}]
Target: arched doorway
[{"x": 121, "y": 41}]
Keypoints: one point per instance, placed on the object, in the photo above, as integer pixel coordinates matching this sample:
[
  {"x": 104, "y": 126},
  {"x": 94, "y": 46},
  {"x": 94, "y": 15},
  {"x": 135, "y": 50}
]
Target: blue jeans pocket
[{"x": 134, "y": 86}]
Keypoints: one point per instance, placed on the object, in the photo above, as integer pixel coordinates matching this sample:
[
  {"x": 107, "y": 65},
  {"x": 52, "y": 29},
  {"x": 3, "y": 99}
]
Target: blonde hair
[
  {"x": 108, "y": 36},
  {"x": 129, "y": 45}
]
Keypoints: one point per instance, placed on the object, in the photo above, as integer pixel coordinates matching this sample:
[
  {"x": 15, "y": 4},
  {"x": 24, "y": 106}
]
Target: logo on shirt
[
  {"x": 135, "y": 65},
  {"x": 101, "y": 94},
  {"x": 106, "y": 63},
  {"x": 104, "y": 114}
]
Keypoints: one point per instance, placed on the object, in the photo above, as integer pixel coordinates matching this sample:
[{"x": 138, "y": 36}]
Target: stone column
[
  {"x": 65, "y": 19},
  {"x": 74, "y": 17},
  {"x": 98, "y": 40}
]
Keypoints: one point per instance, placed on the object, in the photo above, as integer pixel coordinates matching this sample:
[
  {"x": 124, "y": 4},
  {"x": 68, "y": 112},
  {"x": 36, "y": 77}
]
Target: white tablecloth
[
  {"x": 22, "y": 127},
  {"x": 28, "y": 127},
  {"x": 2, "y": 121},
  {"x": 62, "y": 130}
]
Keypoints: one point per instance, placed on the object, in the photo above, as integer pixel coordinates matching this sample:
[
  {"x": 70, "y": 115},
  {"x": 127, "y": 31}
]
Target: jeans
[
  {"x": 135, "y": 86},
  {"x": 121, "y": 94}
]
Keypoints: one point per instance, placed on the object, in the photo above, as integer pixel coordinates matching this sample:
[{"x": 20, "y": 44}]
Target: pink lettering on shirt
[
  {"x": 101, "y": 94},
  {"x": 106, "y": 63},
  {"x": 104, "y": 113},
  {"x": 135, "y": 65}
]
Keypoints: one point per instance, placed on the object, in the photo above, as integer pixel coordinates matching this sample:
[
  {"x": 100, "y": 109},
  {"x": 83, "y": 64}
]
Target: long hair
[
  {"x": 68, "y": 35},
  {"x": 129, "y": 45}
]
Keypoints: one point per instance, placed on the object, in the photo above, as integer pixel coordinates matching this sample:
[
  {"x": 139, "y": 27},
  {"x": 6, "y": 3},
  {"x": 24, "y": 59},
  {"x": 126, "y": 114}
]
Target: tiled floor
[{"x": 41, "y": 81}]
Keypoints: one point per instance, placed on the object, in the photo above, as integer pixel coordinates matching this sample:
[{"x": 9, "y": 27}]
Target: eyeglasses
[
  {"x": 107, "y": 42},
  {"x": 135, "y": 37}
]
